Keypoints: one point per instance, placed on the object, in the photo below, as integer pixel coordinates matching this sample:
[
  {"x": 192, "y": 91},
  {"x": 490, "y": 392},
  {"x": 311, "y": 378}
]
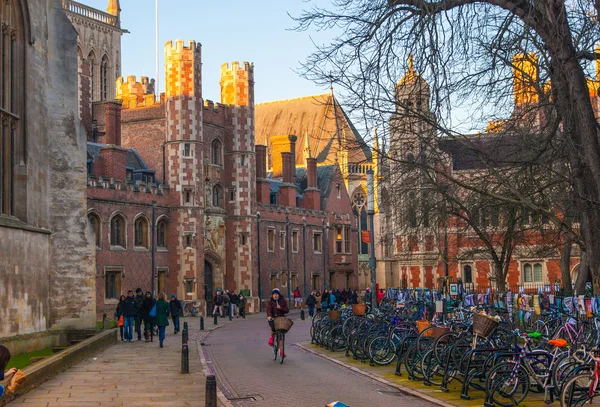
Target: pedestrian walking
[
  {"x": 130, "y": 310},
  {"x": 176, "y": 312},
  {"x": 344, "y": 297},
  {"x": 325, "y": 300},
  {"x": 380, "y": 296},
  {"x": 148, "y": 319},
  {"x": 4, "y": 358},
  {"x": 368, "y": 296},
  {"x": 297, "y": 298},
  {"x": 218, "y": 301},
  {"x": 338, "y": 296},
  {"x": 226, "y": 302},
  {"x": 354, "y": 297},
  {"x": 242, "y": 305},
  {"x": 332, "y": 299},
  {"x": 233, "y": 303},
  {"x": 120, "y": 317},
  {"x": 319, "y": 304},
  {"x": 139, "y": 299},
  {"x": 311, "y": 301},
  {"x": 162, "y": 316}
]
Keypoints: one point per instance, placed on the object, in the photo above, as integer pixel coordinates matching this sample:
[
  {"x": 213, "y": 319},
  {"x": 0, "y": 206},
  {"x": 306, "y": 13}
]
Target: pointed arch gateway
[{"x": 212, "y": 276}]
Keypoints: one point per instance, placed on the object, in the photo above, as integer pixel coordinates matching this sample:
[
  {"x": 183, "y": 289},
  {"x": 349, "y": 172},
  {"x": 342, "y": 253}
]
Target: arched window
[
  {"x": 11, "y": 95},
  {"x": 92, "y": 63},
  {"x": 104, "y": 78},
  {"x": 216, "y": 148},
  {"x": 94, "y": 223},
  {"x": 468, "y": 274},
  {"x": 217, "y": 195},
  {"x": 412, "y": 210},
  {"x": 117, "y": 231},
  {"x": 359, "y": 200},
  {"x": 533, "y": 273},
  {"x": 161, "y": 234},
  {"x": 141, "y": 232}
]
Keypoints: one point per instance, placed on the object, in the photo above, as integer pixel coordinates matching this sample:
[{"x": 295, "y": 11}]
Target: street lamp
[{"x": 371, "y": 214}]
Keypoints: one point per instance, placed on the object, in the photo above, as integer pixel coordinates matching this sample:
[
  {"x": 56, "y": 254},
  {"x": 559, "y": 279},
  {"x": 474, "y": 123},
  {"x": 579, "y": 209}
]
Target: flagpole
[{"x": 156, "y": 90}]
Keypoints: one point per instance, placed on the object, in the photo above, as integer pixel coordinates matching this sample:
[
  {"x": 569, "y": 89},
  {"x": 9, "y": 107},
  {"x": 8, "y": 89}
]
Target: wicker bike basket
[
  {"x": 439, "y": 331},
  {"x": 359, "y": 309},
  {"x": 283, "y": 324},
  {"x": 423, "y": 325},
  {"x": 333, "y": 315},
  {"x": 483, "y": 325}
]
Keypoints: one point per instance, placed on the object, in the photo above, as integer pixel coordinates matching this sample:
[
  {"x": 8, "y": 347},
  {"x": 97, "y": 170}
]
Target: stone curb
[
  {"x": 53, "y": 365},
  {"x": 402, "y": 389}
]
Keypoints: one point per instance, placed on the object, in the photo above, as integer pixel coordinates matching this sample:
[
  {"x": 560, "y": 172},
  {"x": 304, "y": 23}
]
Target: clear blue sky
[{"x": 235, "y": 30}]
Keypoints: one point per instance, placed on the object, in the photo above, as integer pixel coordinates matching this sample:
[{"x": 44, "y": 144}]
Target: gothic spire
[{"x": 114, "y": 8}]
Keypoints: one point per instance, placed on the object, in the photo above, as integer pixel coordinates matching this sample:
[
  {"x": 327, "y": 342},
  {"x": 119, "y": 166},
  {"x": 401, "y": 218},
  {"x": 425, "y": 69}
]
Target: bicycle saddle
[{"x": 559, "y": 343}]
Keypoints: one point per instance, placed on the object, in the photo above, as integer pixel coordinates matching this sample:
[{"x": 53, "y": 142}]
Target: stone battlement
[
  {"x": 180, "y": 47},
  {"x": 235, "y": 66},
  {"x": 288, "y": 210},
  {"x": 142, "y": 101},
  {"x": 119, "y": 185},
  {"x": 215, "y": 106},
  {"x": 131, "y": 87}
]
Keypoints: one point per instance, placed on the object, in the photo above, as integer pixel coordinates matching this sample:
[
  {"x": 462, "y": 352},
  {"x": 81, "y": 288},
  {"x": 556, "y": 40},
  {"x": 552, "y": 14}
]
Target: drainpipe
[
  {"x": 259, "y": 282},
  {"x": 153, "y": 244},
  {"x": 164, "y": 163},
  {"x": 324, "y": 256},
  {"x": 287, "y": 255},
  {"x": 304, "y": 247}
]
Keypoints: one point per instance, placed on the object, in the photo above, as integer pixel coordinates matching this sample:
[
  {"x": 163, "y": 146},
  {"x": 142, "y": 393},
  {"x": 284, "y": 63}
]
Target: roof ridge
[{"x": 293, "y": 99}]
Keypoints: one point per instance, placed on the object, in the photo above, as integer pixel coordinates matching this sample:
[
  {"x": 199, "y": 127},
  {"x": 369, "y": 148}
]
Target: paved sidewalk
[{"x": 131, "y": 374}]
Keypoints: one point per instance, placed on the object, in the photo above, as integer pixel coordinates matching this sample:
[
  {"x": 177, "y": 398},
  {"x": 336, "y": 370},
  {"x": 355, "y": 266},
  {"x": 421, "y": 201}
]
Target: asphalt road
[{"x": 240, "y": 356}]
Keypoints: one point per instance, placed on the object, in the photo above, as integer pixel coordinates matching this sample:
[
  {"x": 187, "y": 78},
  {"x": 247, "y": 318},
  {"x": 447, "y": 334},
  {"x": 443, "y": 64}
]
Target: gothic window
[
  {"x": 104, "y": 78},
  {"x": 112, "y": 283},
  {"x": 186, "y": 150},
  {"x": 11, "y": 88},
  {"x": 317, "y": 242},
  {"x": 270, "y": 240},
  {"x": 161, "y": 234},
  {"x": 141, "y": 232},
  {"x": 91, "y": 63},
  {"x": 117, "y": 231},
  {"x": 217, "y": 195},
  {"x": 532, "y": 273},
  {"x": 94, "y": 223},
  {"x": 216, "y": 148},
  {"x": 295, "y": 241},
  {"x": 359, "y": 200}
]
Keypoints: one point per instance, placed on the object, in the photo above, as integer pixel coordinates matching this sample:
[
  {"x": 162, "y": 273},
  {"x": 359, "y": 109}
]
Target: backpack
[
  {"x": 152, "y": 312},
  {"x": 219, "y": 300}
]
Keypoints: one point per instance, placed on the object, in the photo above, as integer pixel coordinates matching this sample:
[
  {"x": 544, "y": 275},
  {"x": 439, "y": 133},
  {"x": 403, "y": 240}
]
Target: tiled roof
[
  {"x": 325, "y": 174},
  {"x": 134, "y": 161},
  {"x": 320, "y": 118}
]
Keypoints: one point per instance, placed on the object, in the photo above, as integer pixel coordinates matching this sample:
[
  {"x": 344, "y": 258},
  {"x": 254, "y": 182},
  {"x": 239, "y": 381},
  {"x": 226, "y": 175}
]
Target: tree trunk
[
  {"x": 500, "y": 277},
  {"x": 583, "y": 276},
  {"x": 565, "y": 266}
]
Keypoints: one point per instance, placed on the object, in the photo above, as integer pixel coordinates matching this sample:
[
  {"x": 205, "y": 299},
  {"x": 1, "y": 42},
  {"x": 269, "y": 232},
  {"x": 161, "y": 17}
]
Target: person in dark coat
[
  {"x": 148, "y": 320},
  {"x": 234, "y": 301},
  {"x": 311, "y": 301},
  {"x": 325, "y": 300},
  {"x": 277, "y": 307},
  {"x": 218, "y": 301},
  {"x": 176, "y": 311},
  {"x": 354, "y": 297},
  {"x": 161, "y": 320},
  {"x": 139, "y": 299},
  {"x": 344, "y": 296},
  {"x": 338, "y": 296},
  {"x": 119, "y": 314},
  {"x": 242, "y": 305},
  {"x": 130, "y": 310}
]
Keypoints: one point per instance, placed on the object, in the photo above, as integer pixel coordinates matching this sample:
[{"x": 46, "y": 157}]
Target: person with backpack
[
  {"x": 147, "y": 306},
  {"x": 297, "y": 298},
  {"x": 130, "y": 310},
  {"x": 311, "y": 301},
  {"x": 325, "y": 300},
  {"x": 176, "y": 312},
  {"x": 226, "y": 302},
  {"x": 218, "y": 301},
  {"x": 318, "y": 299}
]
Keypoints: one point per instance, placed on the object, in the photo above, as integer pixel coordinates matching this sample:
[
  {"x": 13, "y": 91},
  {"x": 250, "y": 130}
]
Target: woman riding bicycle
[{"x": 277, "y": 307}]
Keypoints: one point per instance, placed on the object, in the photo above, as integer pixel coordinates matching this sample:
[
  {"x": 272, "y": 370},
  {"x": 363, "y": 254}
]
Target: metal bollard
[
  {"x": 215, "y": 316},
  {"x": 201, "y": 323},
  {"x": 185, "y": 359},
  {"x": 302, "y": 314},
  {"x": 211, "y": 391}
]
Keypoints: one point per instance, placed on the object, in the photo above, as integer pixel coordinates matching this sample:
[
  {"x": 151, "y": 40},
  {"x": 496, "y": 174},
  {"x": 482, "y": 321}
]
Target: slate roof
[
  {"x": 134, "y": 161},
  {"x": 484, "y": 150},
  {"x": 315, "y": 117}
]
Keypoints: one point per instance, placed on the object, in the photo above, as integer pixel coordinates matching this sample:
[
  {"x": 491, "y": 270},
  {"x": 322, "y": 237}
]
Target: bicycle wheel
[
  {"x": 381, "y": 350},
  {"x": 431, "y": 369},
  {"x": 281, "y": 337},
  {"x": 577, "y": 390},
  {"x": 505, "y": 388},
  {"x": 186, "y": 310}
]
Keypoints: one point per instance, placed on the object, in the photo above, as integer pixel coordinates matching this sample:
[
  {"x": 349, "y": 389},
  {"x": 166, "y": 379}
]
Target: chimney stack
[
  {"x": 287, "y": 190},
  {"x": 263, "y": 189},
  {"x": 112, "y": 119},
  {"x": 312, "y": 194}
]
